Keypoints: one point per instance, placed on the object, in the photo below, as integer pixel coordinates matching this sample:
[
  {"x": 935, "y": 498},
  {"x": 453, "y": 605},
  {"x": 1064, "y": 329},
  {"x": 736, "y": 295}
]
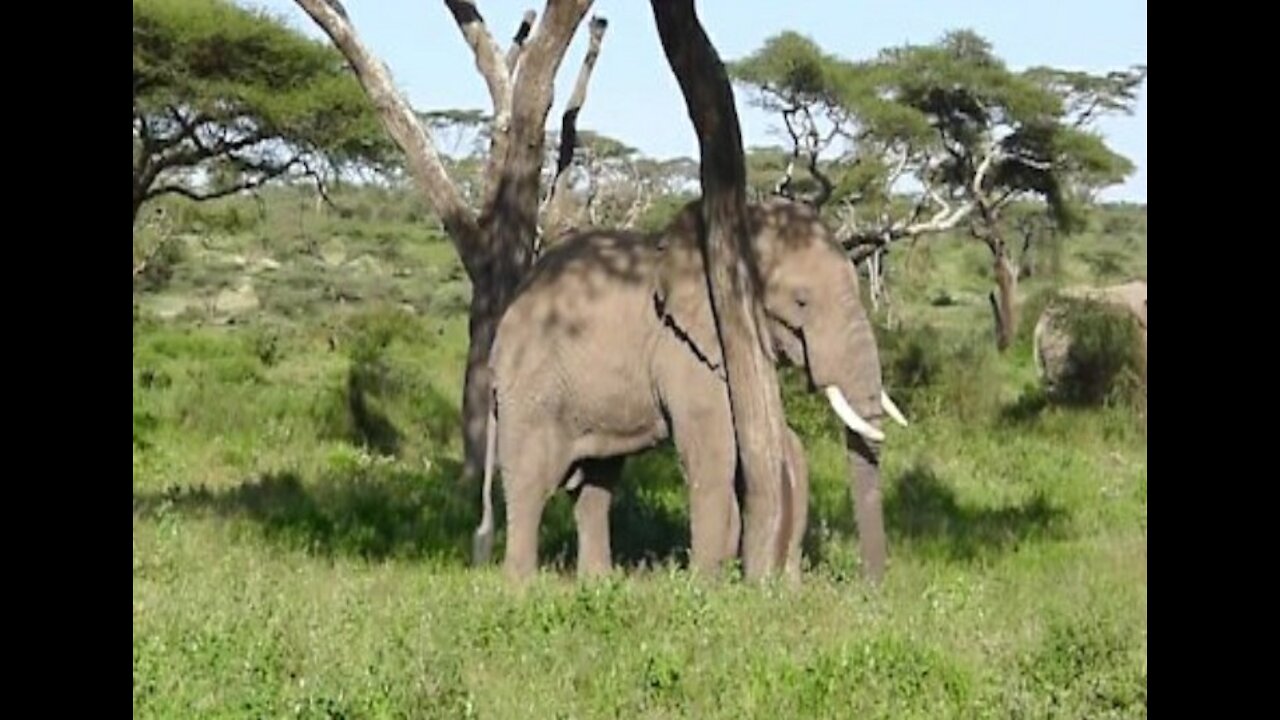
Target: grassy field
[{"x": 299, "y": 539}]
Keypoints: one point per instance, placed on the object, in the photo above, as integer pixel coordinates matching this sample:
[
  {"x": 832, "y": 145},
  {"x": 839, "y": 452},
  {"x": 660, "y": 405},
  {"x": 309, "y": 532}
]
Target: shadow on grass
[
  {"x": 370, "y": 513},
  {"x": 923, "y": 512},
  {"x": 1026, "y": 409},
  {"x": 648, "y": 521},
  {"x": 384, "y": 512}
]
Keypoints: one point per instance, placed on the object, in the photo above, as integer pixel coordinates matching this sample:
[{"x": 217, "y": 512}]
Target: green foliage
[
  {"x": 791, "y": 64},
  {"x": 237, "y": 93},
  {"x": 660, "y": 213},
  {"x": 948, "y": 105},
  {"x": 300, "y": 541},
  {"x": 1104, "y": 361}
]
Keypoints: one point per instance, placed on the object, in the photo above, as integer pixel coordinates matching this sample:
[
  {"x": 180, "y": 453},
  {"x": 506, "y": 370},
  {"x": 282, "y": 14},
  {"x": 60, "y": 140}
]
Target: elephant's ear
[{"x": 682, "y": 297}]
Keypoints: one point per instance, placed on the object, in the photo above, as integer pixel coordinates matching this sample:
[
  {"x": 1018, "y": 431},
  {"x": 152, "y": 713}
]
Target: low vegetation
[{"x": 300, "y": 540}]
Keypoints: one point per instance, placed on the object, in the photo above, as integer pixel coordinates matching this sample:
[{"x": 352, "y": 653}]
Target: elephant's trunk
[
  {"x": 868, "y": 505},
  {"x": 853, "y": 383},
  {"x": 844, "y": 364},
  {"x": 863, "y": 449}
]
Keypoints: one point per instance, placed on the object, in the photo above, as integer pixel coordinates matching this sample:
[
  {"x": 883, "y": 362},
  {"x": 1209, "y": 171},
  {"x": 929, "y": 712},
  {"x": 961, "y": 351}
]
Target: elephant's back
[{"x": 582, "y": 303}]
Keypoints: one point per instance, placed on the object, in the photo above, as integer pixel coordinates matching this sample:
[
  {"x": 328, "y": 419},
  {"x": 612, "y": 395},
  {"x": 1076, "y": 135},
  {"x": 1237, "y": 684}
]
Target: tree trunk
[
  {"x": 1003, "y": 304},
  {"x": 496, "y": 249},
  {"x": 734, "y": 279},
  {"x": 509, "y": 236}
]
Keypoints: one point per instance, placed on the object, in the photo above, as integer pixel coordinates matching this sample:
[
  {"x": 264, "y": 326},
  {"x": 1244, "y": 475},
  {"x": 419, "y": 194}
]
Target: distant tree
[
  {"x": 496, "y": 240},
  {"x": 970, "y": 134},
  {"x": 226, "y": 99},
  {"x": 610, "y": 184}
]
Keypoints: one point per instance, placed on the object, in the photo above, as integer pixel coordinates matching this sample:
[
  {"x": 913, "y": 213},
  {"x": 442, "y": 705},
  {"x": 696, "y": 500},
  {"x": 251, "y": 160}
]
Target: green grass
[{"x": 299, "y": 540}]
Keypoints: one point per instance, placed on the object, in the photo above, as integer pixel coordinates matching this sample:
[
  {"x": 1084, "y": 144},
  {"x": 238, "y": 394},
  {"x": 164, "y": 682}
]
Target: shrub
[
  {"x": 922, "y": 371},
  {"x": 1104, "y": 359}
]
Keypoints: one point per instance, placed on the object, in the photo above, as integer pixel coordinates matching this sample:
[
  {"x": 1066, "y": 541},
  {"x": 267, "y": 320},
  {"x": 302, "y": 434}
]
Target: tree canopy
[
  {"x": 970, "y": 133},
  {"x": 950, "y": 115},
  {"x": 226, "y": 98}
]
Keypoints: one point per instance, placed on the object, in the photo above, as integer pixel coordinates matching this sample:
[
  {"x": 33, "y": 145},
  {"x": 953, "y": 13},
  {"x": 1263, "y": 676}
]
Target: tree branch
[
  {"x": 816, "y": 147},
  {"x": 401, "y": 122},
  {"x": 515, "y": 183},
  {"x": 488, "y": 58},
  {"x": 497, "y": 78},
  {"x": 556, "y": 208},
  {"x": 517, "y": 42},
  {"x": 268, "y": 174}
]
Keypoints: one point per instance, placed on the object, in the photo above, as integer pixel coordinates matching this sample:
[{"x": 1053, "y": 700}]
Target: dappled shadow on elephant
[
  {"x": 649, "y": 518},
  {"x": 924, "y": 514},
  {"x": 368, "y": 514}
]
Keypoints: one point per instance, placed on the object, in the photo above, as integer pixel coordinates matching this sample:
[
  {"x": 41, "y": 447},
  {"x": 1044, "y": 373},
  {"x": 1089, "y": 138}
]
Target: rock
[{"x": 236, "y": 301}]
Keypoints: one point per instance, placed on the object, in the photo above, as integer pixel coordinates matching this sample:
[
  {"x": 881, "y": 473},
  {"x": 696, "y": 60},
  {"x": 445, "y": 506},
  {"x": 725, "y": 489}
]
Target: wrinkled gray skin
[
  {"x": 610, "y": 347},
  {"x": 1050, "y": 341}
]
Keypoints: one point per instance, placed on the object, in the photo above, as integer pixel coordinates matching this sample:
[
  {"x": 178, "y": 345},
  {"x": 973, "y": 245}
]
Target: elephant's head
[{"x": 816, "y": 321}]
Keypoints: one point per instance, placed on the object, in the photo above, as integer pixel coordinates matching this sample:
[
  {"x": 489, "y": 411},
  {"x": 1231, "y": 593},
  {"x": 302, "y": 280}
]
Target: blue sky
[{"x": 634, "y": 97}]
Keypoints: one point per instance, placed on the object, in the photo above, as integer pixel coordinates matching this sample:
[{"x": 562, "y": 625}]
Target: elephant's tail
[{"x": 482, "y": 543}]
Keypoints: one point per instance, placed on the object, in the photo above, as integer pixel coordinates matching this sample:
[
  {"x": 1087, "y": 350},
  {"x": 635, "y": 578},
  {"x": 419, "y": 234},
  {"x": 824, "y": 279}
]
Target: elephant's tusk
[
  {"x": 851, "y": 418},
  {"x": 891, "y": 408}
]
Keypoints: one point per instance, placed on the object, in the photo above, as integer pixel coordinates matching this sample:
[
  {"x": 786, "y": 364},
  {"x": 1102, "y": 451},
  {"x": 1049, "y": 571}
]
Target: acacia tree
[
  {"x": 1006, "y": 136},
  {"x": 950, "y": 117},
  {"x": 496, "y": 243},
  {"x": 734, "y": 279},
  {"x": 226, "y": 99}
]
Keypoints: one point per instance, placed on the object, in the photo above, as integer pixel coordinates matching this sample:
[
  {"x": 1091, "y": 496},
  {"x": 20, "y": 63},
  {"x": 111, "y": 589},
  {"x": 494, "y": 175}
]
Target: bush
[
  {"x": 219, "y": 219},
  {"x": 451, "y": 298},
  {"x": 922, "y": 371},
  {"x": 265, "y": 344},
  {"x": 386, "y": 389},
  {"x": 1104, "y": 360},
  {"x": 913, "y": 360},
  {"x": 370, "y": 332}
]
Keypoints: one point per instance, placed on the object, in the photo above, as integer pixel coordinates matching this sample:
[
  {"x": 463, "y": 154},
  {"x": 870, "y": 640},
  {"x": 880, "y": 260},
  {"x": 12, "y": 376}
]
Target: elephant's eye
[{"x": 802, "y": 297}]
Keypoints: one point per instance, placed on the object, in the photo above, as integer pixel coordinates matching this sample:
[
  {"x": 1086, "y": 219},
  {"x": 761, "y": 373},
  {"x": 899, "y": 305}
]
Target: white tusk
[
  {"x": 851, "y": 418},
  {"x": 892, "y": 409}
]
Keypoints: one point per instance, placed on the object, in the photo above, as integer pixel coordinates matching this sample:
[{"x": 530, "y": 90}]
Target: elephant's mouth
[{"x": 797, "y": 350}]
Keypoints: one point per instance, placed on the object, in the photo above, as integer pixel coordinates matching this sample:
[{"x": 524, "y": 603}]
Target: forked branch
[{"x": 557, "y": 199}]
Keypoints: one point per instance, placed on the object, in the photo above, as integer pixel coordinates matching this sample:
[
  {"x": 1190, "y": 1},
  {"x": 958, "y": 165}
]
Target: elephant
[
  {"x": 609, "y": 347},
  {"x": 1051, "y": 344}
]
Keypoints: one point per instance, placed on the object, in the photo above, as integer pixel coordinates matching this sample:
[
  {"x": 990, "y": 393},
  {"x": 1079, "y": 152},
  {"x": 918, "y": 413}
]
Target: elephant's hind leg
[
  {"x": 591, "y": 513},
  {"x": 532, "y": 470}
]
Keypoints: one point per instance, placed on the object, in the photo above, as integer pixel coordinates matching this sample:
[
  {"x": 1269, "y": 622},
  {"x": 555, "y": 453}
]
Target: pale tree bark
[
  {"x": 558, "y": 206},
  {"x": 496, "y": 247},
  {"x": 734, "y": 279}
]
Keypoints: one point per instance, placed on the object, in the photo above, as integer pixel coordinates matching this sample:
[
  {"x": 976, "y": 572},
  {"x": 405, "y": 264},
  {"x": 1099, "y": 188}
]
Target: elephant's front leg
[
  {"x": 594, "y": 495},
  {"x": 704, "y": 438}
]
